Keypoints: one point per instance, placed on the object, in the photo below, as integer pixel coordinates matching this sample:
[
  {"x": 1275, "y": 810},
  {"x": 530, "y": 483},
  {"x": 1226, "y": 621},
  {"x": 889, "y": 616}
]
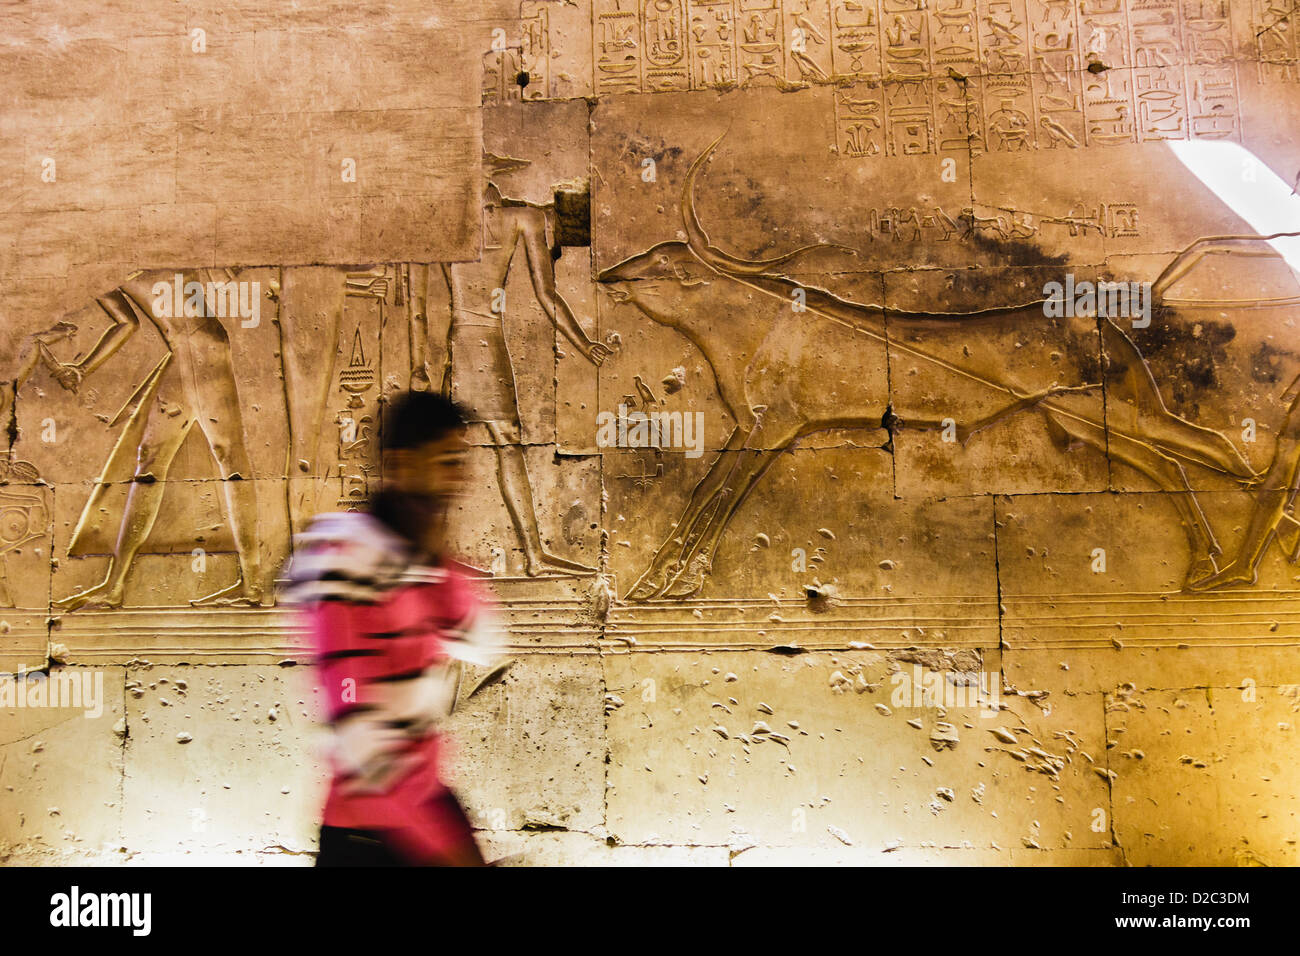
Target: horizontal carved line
[{"x": 1165, "y": 597}]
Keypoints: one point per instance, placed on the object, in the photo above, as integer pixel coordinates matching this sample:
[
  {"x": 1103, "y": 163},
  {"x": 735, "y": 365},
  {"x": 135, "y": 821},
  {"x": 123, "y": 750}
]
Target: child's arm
[{"x": 366, "y": 744}]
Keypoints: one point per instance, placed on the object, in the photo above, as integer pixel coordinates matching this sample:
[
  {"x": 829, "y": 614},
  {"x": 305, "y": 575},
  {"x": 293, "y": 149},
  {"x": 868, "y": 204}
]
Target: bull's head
[{"x": 661, "y": 282}]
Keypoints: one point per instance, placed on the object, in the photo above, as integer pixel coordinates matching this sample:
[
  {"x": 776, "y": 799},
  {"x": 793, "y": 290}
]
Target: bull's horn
[{"x": 698, "y": 240}]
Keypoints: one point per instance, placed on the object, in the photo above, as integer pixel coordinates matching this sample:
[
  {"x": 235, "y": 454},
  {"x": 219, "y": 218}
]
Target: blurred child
[{"x": 391, "y": 617}]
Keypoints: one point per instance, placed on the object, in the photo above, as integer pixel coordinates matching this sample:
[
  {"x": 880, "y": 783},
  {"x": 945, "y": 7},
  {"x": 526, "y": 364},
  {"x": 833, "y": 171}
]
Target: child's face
[{"x": 436, "y": 469}]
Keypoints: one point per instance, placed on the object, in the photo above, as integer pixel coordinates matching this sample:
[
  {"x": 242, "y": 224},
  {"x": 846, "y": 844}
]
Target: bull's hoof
[
  {"x": 646, "y": 587},
  {"x": 689, "y": 581}
]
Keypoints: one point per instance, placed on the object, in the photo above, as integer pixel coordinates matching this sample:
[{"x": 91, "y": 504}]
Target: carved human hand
[
  {"x": 596, "y": 352},
  {"x": 69, "y": 376}
]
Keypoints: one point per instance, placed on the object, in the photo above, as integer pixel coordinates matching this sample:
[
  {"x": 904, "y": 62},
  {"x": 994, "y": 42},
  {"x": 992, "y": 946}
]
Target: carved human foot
[
  {"x": 238, "y": 594},
  {"x": 1232, "y": 576},
  {"x": 1201, "y": 569},
  {"x": 102, "y": 595},
  {"x": 550, "y": 563}
]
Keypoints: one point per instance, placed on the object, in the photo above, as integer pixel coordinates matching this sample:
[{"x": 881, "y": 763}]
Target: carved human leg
[
  {"x": 168, "y": 424},
  {"x": 418, "y": 330},
  {"x": 512, "y": 474}
]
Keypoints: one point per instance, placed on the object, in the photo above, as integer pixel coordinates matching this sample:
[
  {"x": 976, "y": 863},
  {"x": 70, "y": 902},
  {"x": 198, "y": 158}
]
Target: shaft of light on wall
[{"x": 1249, "y": 188}]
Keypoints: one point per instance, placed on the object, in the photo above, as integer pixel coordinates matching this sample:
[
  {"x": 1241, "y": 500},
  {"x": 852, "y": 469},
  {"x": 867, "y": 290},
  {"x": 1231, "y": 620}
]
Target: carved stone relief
[{"x": 772, "y": 412}]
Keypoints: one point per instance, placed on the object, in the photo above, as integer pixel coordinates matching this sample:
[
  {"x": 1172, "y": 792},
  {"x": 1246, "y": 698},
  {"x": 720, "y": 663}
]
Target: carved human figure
[
  {"x": 478, "y": 372},
  {"x": 194, "y": 384}
]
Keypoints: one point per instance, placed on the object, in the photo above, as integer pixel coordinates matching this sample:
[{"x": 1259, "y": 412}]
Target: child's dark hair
[{"x": 413, "y": 419}]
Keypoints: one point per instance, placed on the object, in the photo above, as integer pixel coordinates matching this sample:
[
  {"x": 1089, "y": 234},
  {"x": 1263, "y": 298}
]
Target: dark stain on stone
[
  {"x": 1083, "y": 351},
  {"x": 643, "y": 149},
  {"x": 891, "y": 422},
  {"x": 12, "y": 402},
  {"x": 573, "y": 217},
  {"x": 1266, "y": 363},
  {"x": 1010, "y": 252},
  {"x": 1185, "y": 353},
  {"x": 752, "y": 200}
]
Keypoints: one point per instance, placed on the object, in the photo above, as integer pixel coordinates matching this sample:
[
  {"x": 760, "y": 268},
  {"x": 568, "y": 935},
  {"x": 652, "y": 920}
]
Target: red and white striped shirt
[{"x": 388, "y": 635}]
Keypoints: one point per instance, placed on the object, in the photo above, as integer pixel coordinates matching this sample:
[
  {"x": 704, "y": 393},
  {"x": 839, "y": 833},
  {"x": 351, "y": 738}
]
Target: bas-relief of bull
[{"x": 784, "y": 375}]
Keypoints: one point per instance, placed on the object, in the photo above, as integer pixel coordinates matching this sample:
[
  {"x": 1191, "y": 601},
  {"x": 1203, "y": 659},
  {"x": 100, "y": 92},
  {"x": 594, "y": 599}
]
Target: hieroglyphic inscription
[
  {"x": 1004, "y": 88},
  {"x": 1114, "y": 220},
  {"x": 712, "y": 36},
  {"x": 760, "y": 42},
  {"x": 1213, "y": 109},
  {"x": 1158, "y": 88},
  {"x": 664, "y": 64},
  {"x": 1041, "y": 74},
  {"x": 931, "y": 77},
  {"x": 521, "y": 70},
  {"x": 1277, "y": 45},
  {"x": 356, "y": 425},
  {"x": 616, "y": 46},
  {"x": 656, "y": 45}
]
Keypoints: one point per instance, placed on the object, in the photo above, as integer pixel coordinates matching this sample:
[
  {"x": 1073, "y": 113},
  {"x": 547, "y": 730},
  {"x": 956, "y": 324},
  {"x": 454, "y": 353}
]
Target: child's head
[{"x": 423, "y": 440}]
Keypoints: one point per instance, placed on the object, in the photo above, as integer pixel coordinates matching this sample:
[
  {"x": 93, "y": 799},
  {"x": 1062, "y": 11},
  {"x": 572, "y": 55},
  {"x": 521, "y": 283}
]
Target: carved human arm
[
  {"x": 125, "y": 324},
  {"x": 541, "y": 270}
]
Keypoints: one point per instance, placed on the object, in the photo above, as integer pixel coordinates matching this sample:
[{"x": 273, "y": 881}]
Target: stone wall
[{"x": 935, "y": 559}]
